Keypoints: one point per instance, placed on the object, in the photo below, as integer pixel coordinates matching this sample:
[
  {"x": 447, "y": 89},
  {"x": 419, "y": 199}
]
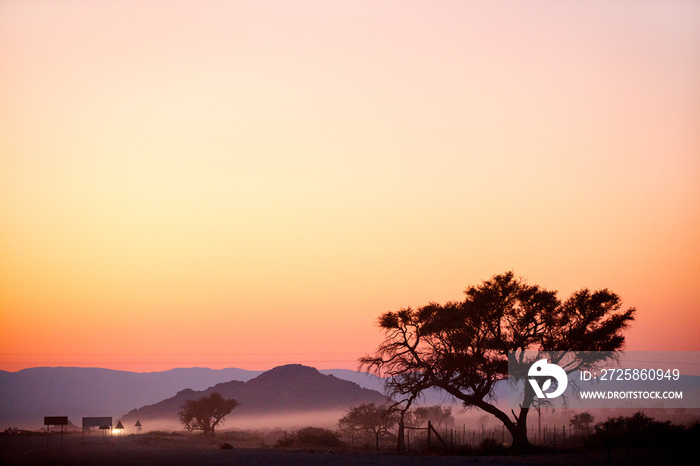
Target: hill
[{"x": 282, "y": 391}]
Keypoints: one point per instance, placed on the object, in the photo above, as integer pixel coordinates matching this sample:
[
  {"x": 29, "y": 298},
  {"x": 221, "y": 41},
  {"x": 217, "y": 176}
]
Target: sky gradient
[{"x": 246, "y": 184}]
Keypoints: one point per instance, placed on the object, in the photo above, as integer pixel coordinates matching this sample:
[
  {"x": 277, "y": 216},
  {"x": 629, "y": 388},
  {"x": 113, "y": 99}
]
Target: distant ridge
[
  {"x": 292, "y": 388},
  {"x": 28, "y": 395}
]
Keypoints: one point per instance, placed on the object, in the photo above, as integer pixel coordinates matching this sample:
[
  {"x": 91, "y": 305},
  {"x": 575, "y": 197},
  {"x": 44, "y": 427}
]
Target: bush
[
  {"x": 166, "y": 433},
  {"x": 312, "y": 437},
  {"x": 17, "y": 431},
  {"x": 642, "y": 431},
  {"x": 491, "y": 446}
]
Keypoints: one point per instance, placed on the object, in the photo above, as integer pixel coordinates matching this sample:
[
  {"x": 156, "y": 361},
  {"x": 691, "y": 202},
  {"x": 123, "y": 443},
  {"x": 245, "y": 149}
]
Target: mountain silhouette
[
  {"x": 28, "y": 395},
  {"x": 292, "y": 388}
]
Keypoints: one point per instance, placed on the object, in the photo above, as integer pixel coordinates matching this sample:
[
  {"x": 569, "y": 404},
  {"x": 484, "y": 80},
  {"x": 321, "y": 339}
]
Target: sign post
[
  {"x": 119, "y": 427},
  {"x": 54, "y": 421},
  {"x": 103, "y": 423}
]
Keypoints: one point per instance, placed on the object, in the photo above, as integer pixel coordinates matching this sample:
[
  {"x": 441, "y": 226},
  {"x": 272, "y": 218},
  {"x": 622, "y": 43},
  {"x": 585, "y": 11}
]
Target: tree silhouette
[
  {"x": 206, "y": 413},
  {"x": 438, "y": 415},
  {"x": 368, "y": 421},
  {"x": 462, "y": 347},
  {"x": 582, "y": 422}
]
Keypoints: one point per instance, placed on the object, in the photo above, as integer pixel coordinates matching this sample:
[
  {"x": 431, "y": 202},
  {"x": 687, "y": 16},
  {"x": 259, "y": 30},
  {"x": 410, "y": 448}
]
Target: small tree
[
  {"x": 206, "y": 413},
  {"x": 438, "y": 415},
  {"x": 369, "y": 422},
  {"x": 582, "y": 422}
]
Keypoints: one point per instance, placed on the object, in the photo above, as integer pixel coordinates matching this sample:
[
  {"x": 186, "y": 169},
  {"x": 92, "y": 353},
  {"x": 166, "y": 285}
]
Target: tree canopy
[
  {"x": 368, "y": 421},
  {"x": 462, "y": 347},
  {"x": 206, "y": 413},
  {"x": 582, "y": 422},
  {"x": 439, "y": 416}
]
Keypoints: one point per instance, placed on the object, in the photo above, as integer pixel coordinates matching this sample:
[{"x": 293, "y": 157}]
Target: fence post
[
  {"x": 430, "y": 428},
  {"x": 437, "y": 435},
  {"x": 563, "y": 436}
]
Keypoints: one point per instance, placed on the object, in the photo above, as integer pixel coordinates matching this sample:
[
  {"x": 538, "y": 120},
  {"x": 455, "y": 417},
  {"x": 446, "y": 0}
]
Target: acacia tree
[
  {"x": 206, "y": 413},
  {"x": 438, "y": 415},
  {"x": 582, "y": 422},
  {"x": 369, "y": 421},
  {"x": 462, "y": 347}
]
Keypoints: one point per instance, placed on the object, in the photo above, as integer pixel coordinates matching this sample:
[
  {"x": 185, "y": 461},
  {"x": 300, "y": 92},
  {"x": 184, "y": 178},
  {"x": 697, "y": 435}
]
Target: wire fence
[{"x": 556, "y": 437}]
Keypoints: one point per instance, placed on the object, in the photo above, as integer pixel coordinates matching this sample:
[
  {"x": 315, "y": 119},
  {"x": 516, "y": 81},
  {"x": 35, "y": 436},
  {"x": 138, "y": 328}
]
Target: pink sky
[{"x": 244, "y": 184}]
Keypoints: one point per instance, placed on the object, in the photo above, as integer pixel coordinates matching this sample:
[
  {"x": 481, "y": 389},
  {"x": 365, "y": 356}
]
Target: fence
[{"x": 558, "y": 437}]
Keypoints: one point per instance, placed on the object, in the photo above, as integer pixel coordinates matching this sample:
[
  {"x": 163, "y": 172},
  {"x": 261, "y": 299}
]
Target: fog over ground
[{"x": 326, "y": 419}]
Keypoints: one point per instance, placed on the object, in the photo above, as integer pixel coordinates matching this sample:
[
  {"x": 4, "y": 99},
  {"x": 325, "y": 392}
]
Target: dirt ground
[{"x": 155, "y": 450}]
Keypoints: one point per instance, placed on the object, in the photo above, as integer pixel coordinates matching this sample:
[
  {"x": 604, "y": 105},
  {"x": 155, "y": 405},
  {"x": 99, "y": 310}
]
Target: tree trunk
[
  {"x": 518, "y": 429},
  {"x": 521, "y": 444}
]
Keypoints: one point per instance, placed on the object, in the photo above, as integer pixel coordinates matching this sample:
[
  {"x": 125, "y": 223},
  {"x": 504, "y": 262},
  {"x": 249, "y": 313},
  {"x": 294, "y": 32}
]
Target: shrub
[
  {"x": 312, "y": 437},
  {"x": 642, "y": 431},
  {"x": 491, "y": 446},
  {"x": 17, "y": 431}
]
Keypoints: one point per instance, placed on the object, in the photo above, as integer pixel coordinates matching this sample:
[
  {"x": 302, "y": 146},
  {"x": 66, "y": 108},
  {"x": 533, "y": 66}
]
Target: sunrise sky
[{"x": 247, "y": 184}]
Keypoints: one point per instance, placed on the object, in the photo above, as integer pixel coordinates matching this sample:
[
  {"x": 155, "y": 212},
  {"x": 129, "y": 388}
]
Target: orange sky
[{"x": 245, "y": 184}]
